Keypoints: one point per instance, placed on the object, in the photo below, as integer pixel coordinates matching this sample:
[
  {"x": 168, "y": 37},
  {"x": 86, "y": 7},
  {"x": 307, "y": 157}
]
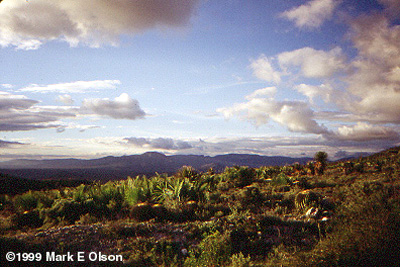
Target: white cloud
[
  {"x": 29, "y": 24},
  {"x": 268, "y": 91},
  {"x": 295, "y": 115},
  {"x": 262, "y": 69},
  {"x": 325, "y": 91},
  {"x": 312, "y": 14},
  {"x": 122, "y": 107},
  {"x": 7, "y": 86},
  {"x": 66, "y": 99},
  {"x": 314, "y": 63},
  {"x": 73, "y": 87}
]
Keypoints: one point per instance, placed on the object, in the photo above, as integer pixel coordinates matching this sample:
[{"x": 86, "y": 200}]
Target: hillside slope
[{"x": 349, "y": 215}]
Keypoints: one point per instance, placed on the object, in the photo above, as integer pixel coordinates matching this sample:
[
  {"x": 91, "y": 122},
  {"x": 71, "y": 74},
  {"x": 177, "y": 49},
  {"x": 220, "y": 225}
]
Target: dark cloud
[
  {"x": 18, "y": 113},
  {"x": 122, "y": 107},
  {"x": 9, "y": 144}
]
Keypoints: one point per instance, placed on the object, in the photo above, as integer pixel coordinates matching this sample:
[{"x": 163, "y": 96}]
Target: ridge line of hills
[{"x": 111, "y": 168}]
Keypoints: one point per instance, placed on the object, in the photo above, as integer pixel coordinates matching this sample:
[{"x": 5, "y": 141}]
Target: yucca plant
[{"x": 306, "y": 199}]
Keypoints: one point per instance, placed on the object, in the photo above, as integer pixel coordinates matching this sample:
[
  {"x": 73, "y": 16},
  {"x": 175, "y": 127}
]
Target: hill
[
  {"x": 113, "y": 168},
  {"x": 340, "y": 214}
]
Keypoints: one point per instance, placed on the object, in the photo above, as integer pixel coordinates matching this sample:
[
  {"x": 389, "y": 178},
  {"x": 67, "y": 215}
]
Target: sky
[{"x": 88, "y": 79}]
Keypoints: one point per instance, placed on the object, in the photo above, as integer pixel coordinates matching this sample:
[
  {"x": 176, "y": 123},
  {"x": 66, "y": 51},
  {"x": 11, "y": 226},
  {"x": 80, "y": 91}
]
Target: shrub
[
  {"x": 142, "y": 212},
  {"x": 240, "y": 176},
  {"x": 281, "y": 179},
  {"x": 27, "y": 201},
  {"x": 239, "y": 260},
  {"x": 306, "y": 199},
  {"x": 214, "y": 250},
  {"x": 348, "y": 167},
  {"x": 187, "y": 172},
  {"x": 28, "y": 219},
  {"x": 359, "y": 167},
  {"x": 321, "y": 158},
  {"x": 139, "y": 189},
  {"x": 4, "y": 200},
  {"x": 65, "y": 211}
]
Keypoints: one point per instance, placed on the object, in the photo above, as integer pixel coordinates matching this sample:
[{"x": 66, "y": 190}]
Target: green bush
[
  {"x": 281, "y": 179},
  {"x": 240, "y": 176},
  {"x": 27, "y": 201},
  {"x": 239, "y": 260},
  {"x": 214, "y": 250}
]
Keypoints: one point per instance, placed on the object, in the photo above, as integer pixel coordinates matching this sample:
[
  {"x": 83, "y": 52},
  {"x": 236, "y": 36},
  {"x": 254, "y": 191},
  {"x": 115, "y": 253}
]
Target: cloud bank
[
  {"x": 18, "y": 113},
  {"x": 29, "y": 24}
]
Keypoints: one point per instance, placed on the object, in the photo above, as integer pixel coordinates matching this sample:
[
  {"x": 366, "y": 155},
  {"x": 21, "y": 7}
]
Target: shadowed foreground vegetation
[{"x": 318, "y": 214}]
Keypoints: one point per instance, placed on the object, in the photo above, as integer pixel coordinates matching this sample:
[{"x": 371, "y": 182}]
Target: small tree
[{"x": 321, "y": 158}]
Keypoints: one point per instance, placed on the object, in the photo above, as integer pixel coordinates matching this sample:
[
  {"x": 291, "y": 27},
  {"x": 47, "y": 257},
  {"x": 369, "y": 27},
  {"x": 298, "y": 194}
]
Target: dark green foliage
[
  {"x": 240, "y": 176},
  {"x": 214, "y": 250},
  {"x": 321, "y": 159},
  {"x": 27, "y": 201},
  {"x": 321, "y": 156},
  {"x": 359, "y": 167}
]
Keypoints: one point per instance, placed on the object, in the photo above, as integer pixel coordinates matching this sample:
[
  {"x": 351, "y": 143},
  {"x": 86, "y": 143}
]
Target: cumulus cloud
[
  {"x": 158, "y": 143},
  {"x": 66, "y": 99},
  {"x": 325, "y": 91},
  {"x": 314, "y": 63},
  {"x": 72, "y": 87},
  {"x": 122, "y": 107},
  {"x": 312, "y": 14},
  {"x": 263, "y": 69},
  {"x": 28, "y": 24},
  {"x": 363, "y": 92},
  {"x": 297, "y": 116},
  {"x": 375, "y": 84}
]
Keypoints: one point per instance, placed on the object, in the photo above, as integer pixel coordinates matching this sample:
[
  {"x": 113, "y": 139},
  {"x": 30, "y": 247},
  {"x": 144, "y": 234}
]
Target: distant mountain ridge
[{"x": 109, "y": 168}]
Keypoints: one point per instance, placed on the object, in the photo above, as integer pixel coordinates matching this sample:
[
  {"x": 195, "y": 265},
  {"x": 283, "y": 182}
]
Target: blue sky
[{"x": 88, "y": 79}]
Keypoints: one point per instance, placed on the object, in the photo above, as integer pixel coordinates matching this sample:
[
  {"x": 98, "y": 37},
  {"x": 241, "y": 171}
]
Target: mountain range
[{"x": 110, "y": 168}]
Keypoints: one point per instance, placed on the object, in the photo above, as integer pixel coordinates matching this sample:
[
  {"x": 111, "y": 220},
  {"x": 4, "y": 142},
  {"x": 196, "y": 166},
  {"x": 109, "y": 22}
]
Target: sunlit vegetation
[{"x": 317, "y": 214}]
